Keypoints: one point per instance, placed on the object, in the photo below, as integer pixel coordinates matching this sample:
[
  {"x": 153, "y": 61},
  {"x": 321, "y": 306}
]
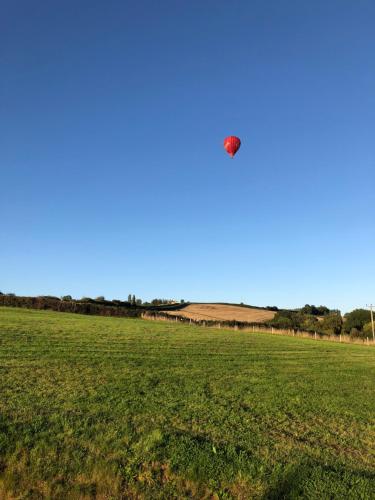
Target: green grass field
[{"x": 95, "y": 407}]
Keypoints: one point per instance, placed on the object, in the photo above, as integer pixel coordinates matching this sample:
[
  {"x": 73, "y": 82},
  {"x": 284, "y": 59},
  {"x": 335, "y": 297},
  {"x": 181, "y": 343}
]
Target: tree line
[
  {"x": 356, "y": 323},
  {"x": 133, "y": 307},
  {"x": 310, "y": 318},
  {"x": 85, "y": 305}
]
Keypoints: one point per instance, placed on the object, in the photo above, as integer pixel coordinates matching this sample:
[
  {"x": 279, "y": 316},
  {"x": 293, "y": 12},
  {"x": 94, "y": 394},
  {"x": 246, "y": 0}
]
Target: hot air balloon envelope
[{"x": 232, "y": 145}]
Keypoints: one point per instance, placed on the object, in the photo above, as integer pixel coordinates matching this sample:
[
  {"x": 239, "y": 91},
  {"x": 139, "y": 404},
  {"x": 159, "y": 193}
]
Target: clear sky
[{"x": 114, "y": 179}]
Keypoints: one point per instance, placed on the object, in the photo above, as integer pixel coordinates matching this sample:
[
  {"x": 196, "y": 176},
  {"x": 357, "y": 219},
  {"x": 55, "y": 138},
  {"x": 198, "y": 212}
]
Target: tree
[
  {"x": 331, "y": 325},
  {"x": 356, "y": 319},
  {"x": 133, "y": 300},
  {"x": 316, "y": 311},
  {"x": 367, "y": 329},
  {"x": 139, "y": 302},
  {"x": 307, "y": 309},
  {"x": 129, "y": 298},
  {"x": 322, "y": 310},
  {"x": 282, "y": 321},
  {"x": 309, "y": 323},
  {"x": 66, "y": 297},
  {"x": 100, "y": 298}
]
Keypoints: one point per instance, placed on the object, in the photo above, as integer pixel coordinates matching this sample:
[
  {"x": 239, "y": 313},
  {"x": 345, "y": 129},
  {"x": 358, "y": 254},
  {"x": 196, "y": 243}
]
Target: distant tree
[
  {"x": 315, "y": 311},
  {"x": 331, "y": 324},
  {"x": 367, "y": 329},
  {"x": 356, "y": 319},
  {"x": 100, "y": 298},
  {"x": 272, "y": 308},
  {"x": 139, "y": 302},
  {"x": 295, "y": 319},
  {"x": 282, "y": 321},
  {"x": 335, "y": 311},
  {"x": 85, "y": 299},
  {"x": 129, "y": 298},
  {"x": 323, "y": 311},
  {"x": 11, "y": 294},
  {"x": 1, "y": 293},
  {"x": 66, "y": 297},
  {"x": 307, "y": 309},
  {"x": 182, "y": 301},
  {"x": 309, "y": 322},
  {"x": 133, "y": 300}
]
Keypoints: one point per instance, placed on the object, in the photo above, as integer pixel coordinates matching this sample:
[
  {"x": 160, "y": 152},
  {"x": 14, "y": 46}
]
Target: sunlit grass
[{"x": 95, "y": 407}]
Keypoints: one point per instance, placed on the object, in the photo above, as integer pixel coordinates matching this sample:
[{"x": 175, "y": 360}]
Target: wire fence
[{"x": 258, "y": 328}]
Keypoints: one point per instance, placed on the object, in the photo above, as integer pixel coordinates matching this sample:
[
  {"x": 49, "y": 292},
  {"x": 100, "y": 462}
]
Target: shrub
[
  {"x": 367, "y": 330},
  {"x": 356, "y": 320},
  {"x": 332, "y": 324},
  {"x": 281, "y": 321}
]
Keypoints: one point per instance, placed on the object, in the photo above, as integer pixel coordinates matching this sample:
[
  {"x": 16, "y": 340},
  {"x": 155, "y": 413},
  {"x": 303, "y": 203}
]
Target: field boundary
[{"x": 257, "y": 327}]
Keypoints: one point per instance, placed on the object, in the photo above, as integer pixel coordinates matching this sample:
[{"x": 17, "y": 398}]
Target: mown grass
[{"x": 95, "y": 407}]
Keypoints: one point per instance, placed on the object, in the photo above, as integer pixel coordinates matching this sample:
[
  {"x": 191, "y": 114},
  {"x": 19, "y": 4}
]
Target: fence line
[{"x": 258, "y": 327}]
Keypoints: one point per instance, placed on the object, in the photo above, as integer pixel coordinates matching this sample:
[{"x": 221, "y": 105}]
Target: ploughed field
[
  {"x": 94, "y": 407},
  {"x": 223, "y": 312}
]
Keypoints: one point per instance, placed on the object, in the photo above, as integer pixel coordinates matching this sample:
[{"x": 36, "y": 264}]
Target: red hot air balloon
[{"x": 232, "y": 145}]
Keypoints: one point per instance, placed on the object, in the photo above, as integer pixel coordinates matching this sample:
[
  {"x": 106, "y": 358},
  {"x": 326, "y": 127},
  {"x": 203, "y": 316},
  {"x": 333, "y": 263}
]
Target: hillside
[
  {"x": 224, "y": 312},
  {"x": 96, "y": 407}
]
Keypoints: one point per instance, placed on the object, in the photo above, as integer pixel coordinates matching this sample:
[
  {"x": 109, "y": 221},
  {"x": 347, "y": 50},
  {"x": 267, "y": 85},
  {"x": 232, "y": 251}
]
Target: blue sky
[{"x": 113, "y": 175}]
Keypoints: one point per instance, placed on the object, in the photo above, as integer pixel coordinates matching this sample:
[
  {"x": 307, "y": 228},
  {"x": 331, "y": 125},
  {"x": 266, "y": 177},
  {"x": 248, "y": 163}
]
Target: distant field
[
  {"x": 224, "y": 313},
  {"x": 110, "y": 408}
]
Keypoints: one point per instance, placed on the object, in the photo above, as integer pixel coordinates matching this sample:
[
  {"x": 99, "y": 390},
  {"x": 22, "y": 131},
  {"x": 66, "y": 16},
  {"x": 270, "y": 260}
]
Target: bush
[
  {"x": 367, "y": 330},
  {"x": 282, "y": 321},
  {"x": 331, "y": 325},
  {"x": 314, "y": 310},
  {"x": 309, "y": 323},
  {"x": 356, "y": 320},
  {"x": 354, "y": 332}
]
